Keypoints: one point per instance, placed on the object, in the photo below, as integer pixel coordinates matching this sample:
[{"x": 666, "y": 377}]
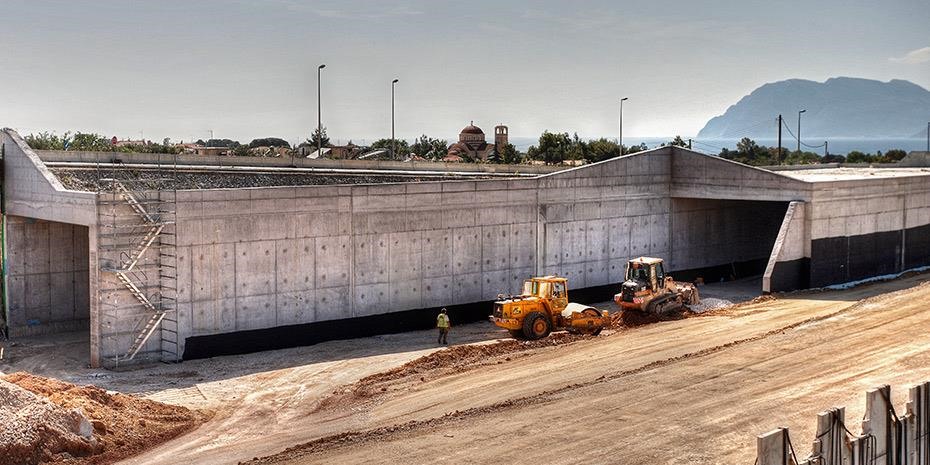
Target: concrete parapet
[{"x": 298, "y": 162}]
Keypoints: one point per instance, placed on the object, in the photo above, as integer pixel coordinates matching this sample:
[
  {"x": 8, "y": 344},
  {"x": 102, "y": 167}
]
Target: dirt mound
[
  {"x": 122, "y": 425},
  {"x": 457, "y": 358},
  {"x": 35, "y": 430}
]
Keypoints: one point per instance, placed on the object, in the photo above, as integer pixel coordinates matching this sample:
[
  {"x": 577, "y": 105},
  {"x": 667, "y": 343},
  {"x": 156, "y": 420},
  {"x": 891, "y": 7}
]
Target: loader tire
[{"x": 536, "y": 326}]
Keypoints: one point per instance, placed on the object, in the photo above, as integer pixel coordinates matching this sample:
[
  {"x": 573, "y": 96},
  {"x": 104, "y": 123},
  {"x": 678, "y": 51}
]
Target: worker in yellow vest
[{"x": 442, "y": 322}]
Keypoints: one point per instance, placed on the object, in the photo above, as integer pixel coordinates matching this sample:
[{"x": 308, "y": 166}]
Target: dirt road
[{"x": 688, "y": 391}]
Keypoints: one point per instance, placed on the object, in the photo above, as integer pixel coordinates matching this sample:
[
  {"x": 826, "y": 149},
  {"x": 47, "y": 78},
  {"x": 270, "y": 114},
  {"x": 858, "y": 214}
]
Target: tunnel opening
[
  {"x": 47, "y": 278},
  {"x": 723, "y": 240}
]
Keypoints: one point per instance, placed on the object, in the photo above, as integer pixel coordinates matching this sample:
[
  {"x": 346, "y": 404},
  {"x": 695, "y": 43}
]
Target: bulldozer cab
[{"x": 649, "y": 271}]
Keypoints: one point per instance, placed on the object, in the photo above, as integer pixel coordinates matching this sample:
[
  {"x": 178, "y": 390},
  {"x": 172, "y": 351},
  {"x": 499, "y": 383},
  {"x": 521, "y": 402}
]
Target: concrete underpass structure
[{"x": 267, "y": 267}]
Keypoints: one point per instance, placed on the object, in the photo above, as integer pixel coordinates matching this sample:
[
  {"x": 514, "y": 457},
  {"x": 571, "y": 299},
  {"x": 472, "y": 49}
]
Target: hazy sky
[{"x": 248, "y": 68}]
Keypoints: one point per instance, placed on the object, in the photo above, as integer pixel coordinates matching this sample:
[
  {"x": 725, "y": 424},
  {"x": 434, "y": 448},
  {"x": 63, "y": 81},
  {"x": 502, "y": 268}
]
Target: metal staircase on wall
[{"x": 136, "y": 244}]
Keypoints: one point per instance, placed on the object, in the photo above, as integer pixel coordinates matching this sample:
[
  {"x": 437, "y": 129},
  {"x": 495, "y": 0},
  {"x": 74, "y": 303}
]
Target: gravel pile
[
  {"x": 86, "y": 180},
  {"x": 34, "y": 430},
  {"x": 708, "y": 304}
]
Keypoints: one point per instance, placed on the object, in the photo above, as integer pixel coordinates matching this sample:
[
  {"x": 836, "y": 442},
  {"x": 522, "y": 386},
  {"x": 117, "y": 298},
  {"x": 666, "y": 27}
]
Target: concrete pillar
[
  {"x": 93, "y": 284},
  {"x": 831, "y": 442},
  {"x": 918, "y": 425},
  {"x": 877, "y": 422},
  {"x": 772, "y": 448}
]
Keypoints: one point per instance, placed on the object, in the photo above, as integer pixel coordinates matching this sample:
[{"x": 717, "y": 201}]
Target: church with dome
[{"x": 473, "y": 145}]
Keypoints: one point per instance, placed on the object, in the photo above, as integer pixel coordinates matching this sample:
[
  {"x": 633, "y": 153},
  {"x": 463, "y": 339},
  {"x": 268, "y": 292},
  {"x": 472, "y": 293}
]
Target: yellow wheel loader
[
  {"x": 649, "y": 289},
  {"x": 543, "y": 307}
]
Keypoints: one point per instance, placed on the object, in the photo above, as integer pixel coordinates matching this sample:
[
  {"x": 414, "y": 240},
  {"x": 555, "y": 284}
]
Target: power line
[{"x": 802, "y": 143}]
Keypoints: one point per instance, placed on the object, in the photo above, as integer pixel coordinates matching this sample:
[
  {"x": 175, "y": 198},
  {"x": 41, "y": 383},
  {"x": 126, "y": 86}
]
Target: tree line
[
  {"x": 551, "y": 148},
  {"x": 749, "y": 152}
]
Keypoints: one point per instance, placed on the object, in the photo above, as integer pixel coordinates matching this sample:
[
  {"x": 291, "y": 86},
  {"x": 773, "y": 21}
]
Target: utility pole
[
  {"x": 319, "y": 112},
  {"x": 826, "y": 149},
  {"x": 689, "y": 144},
  {"x": 620, "y": 139},
  {"x": 778, "y": 157},
  {"x": 799, "y": 130},
  {"x": 928, "y": 136},
  {"x": 393, "y": 140}
]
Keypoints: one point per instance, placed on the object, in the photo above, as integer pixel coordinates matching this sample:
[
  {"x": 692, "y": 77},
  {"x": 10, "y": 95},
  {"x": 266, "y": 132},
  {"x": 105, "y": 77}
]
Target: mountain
[{"x": 838, "y": 107}]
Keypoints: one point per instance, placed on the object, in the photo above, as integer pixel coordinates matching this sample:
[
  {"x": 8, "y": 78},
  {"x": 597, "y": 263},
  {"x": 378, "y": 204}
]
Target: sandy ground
[
  {"x": 696, "y": 390},
  {"x": 693, "y": 390}
]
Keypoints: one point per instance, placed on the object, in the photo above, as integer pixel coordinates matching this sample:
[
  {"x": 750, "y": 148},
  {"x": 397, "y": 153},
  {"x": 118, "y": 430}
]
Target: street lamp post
[
  {"x": 799, "y": 130},
  {"x": 393, "y": 140},
  {"x": 620, "y": 139},
  {"x": 319, "y": 111}
]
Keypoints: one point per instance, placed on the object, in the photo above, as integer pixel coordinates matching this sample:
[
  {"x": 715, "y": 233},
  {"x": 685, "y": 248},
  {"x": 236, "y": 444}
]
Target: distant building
[
  {"x": 127, "y": 142},
  {"x": 472, "y": 143},
  {"x": 211, "y": 150}
]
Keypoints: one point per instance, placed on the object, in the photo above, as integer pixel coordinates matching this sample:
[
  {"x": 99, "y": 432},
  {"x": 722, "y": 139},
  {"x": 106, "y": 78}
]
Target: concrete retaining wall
[
  {"x": 267, "y": 257},
  {"x": 866, "y": 228}
]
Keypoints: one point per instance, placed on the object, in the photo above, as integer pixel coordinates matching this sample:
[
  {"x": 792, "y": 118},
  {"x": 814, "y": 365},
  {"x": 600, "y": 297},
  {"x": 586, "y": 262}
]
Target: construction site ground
[{"x": 682, "y": 390}]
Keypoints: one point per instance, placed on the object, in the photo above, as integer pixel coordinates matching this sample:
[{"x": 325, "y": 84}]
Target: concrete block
[
  {"x": 190, "y": 232},
  {"x": 437, "y": 292},
  {"x": 405, "y": 256},
  {"x": 372, "y": 299},
  {"x": 552, "y": 244},
  {"x": 495, "y": 247},
  {"x": 333, "y": 304},
  {"x": 205, "y": 317},
  {"x": 466, "y": 250},
  {"x": 517, "y": 276},
  {"x": 459, "y": 217},
  {"x": 61, "y": 296},
  {"x": 616, "y": 270},
  {"x": 323, "y": 224},
  {"x": 575, "y": 273},
  {"x": 38, "y": 300},
  {"x": 255, "y": 312},
  {"x": 255, "y": 268},
  {"x": 494, "y": 283},
  {"x": 523, "y": 245},
  {"x": 425, "y": 220},
  {"x": 597, "y": 273},
  {"x": 295, "y": 264},
  {"x": 296, "y": 307},
  {"x": 405, "y": 295},
  {"x": 467, "y": 288},
  {"x": 196, "y": 273},
  {"x": 332, "y": 262},
  {"x": 618, "y": 245},
  {"x": 437, "y": 253},
  {"x": 372, "y": 258},
  {"x": 597, "y": 236},
  {"x": 573, "y": 242}
]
